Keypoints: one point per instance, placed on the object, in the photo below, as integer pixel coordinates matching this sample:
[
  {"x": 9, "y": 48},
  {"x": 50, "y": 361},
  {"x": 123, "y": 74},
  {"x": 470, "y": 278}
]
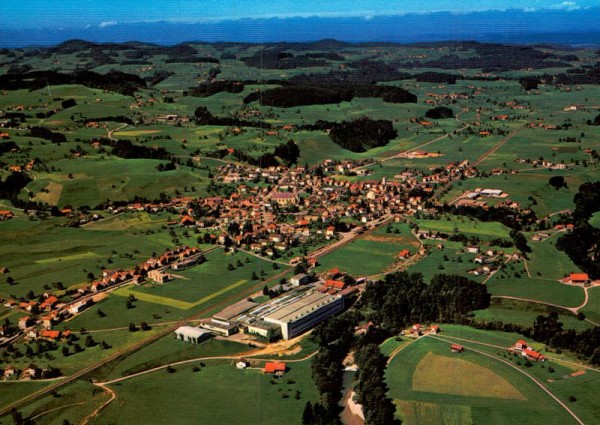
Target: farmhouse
[
  {"x": 533, "y": 355},
  {"x": 520, "y": 345},
  {"x": 6, "y": 214},
  {"x": 416, "y": 330},
  {"x": 277, "y": 368},
  {"x": 404, "y": 254},
  {"x": 455, "y": 348},
  {"x": 192, "y": 335},
  {"x": 579, "y": 278}
]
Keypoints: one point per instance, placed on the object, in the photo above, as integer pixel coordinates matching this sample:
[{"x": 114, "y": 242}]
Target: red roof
[
  {"x": 533, "y": 354},
  {"x": 283, "y": 195},
  {"x": 50, "y": 334},
  {"x": 334, "y": 284},
  {"x": 522, "y": 342},
  {"x": 456, "y": 347},
  {"x": 579, "y": 277},
  {"x": 273, "y": 367}
]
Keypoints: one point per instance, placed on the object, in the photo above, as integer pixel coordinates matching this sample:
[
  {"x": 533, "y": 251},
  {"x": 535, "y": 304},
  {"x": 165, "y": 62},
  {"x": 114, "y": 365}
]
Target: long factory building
[{"x": 288, "y": 315}]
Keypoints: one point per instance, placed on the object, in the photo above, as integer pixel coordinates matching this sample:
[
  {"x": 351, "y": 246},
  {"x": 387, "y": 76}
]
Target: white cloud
[
  {"x": 566, "y": 5},
  {"x": 107, "y": 24}
]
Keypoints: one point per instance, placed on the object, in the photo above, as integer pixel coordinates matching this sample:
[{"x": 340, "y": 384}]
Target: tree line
[
  {"x": 582, "y": 245},
  {"x": 289, "y": 96}
]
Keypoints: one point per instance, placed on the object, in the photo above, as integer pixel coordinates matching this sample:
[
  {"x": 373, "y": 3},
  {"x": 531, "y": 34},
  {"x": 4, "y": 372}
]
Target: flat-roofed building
[
  {"x": 219, "y": 328},
  {"x": 300, "y": 279},
  {"x": 226, "y": 315},
  {"x": 300, "y": 311},
  {"x": 263, "y": 328}
]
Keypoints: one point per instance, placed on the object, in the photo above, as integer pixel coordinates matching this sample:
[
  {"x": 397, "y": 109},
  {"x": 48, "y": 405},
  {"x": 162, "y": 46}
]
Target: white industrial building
[
  {"x": 192, "y": 335},
  {"x": 299, "y": 311}
]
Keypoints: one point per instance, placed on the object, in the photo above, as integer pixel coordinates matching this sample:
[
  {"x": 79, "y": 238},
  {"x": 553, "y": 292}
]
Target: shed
[{"x": 192, "y": 335}]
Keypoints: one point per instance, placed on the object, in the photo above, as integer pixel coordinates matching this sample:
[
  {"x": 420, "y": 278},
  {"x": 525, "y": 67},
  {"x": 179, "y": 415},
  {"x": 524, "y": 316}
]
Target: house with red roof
[
  {"x": 6, "y": 214},
  {"x": 49, "y": 303},
  {"x": 49, "y": 335},
  {"x": 333, "y": 273},
  {"x": 521, "y": 345},
  {"x": 533, "y": 355},
  {"x": 416, "y": 330},
  {"x": 335, "y": 284},
  {"x": 277, "y": 368},
  {"x": 579, "y": 278},
  {"x": 455, "y": 348},
  {"x": 404, "y": 254}
]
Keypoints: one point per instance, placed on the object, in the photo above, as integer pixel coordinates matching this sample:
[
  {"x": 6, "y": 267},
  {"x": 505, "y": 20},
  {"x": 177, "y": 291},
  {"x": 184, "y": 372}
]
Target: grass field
[
  {"x": 255, "y": 399},
  {"x": 86, "y": 181},
  {"x": 14, "y": 390},
  {"x": 524, "y": 314},
  {"x": 205, "y": 282},
  {"x": 535, "y": 288},
  {"x": 116, "y": 339},
  {"x": 527, "y": 184},
  {"x": 559, "y": 381},
  {"x": 72, "y": 403},
  {"x": 548, "y": 262},
  {"x": 365, "y": 257},
  {"x": 448, "y": 375},
  {"x": 592, "y": 308},
  {"x": 170, "y": 302},
  {"x": 68, "y": 254},
  {"x": 466, "y": 226},
  {"x": 450, "y": 396},
  {"x": 167, "y": 350},
  {"x": 434, "y": 263}
]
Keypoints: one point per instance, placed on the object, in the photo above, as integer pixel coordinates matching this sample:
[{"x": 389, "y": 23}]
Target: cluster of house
[
  {"x": 528, "y": 352},
  {"x": 543, "y": 163},
  {"x": 153, "y": 268},
  {"x": 417, "y": 330},
  {"x": 6, "y": 215},
  {"x": 56, "y": 310},
  {"x": 28, "y": 373},
  {"x": 489, "y": 260}
]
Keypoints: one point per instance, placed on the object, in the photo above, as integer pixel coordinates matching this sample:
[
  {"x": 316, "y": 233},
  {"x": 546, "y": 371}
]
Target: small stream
[{"x": 348, "y": 417}]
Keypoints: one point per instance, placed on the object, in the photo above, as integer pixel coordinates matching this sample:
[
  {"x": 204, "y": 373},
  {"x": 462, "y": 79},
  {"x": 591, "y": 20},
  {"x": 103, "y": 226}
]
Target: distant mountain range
[{"x": 579, "y": 27}]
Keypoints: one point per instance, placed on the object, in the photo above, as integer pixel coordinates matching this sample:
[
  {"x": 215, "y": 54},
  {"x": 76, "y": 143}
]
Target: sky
[
  {"x": 49, "y": 22},
  {"x": 69, "y": 14}
]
